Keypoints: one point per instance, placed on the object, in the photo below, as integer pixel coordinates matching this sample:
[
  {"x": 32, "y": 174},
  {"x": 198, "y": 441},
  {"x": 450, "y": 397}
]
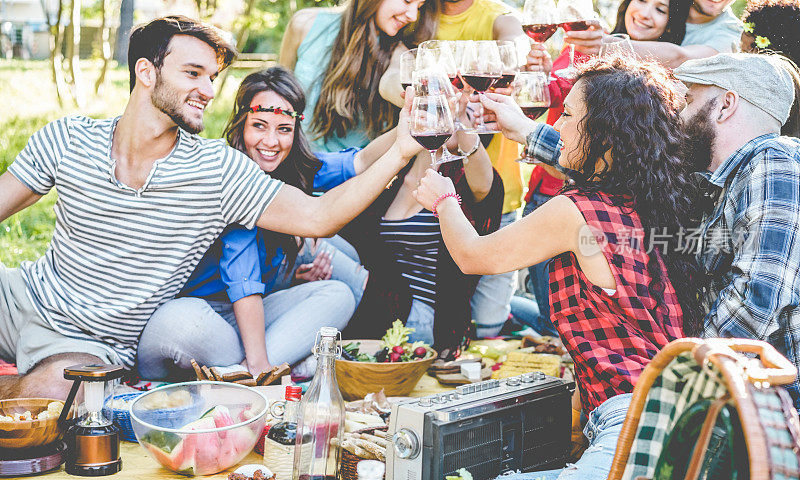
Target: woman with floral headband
[
  {"x": 774, "y": 27},
  {"x": 302, "y": 288}
]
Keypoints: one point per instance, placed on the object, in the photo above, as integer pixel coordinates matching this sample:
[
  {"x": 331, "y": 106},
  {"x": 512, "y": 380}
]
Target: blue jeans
[
  {"x": 187, "y": 328},
  {"x": 420, "y": 318},
  {"x": 539, "y": 278},
  {"x": 602, "y": 430},
  {"x": 346, "y": 266},
  {"x": 491, "y": 301}
]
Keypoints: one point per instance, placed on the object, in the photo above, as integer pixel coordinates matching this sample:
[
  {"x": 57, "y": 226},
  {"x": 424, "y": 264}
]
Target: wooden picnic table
[{"x": 136, "y": 464}]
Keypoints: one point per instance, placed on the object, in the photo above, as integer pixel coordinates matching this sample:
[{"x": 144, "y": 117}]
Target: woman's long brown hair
[{"x": 360, "y": 55}]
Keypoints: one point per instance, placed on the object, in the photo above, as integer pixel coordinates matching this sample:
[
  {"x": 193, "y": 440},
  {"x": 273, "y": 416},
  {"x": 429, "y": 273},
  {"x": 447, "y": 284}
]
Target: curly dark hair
[
  {"x": 300, "y": 166},
  {"x": 637, "y": 126},
  {"x": 779, "y": 22},
  {"x": 676, "y": 20}
]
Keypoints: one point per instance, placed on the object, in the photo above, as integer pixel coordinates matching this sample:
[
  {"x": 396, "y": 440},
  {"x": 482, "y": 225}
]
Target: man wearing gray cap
[{"x": 750, "y": 240}]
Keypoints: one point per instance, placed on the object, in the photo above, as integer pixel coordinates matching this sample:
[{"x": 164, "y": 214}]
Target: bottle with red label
[{"x": 279, "y": 443}]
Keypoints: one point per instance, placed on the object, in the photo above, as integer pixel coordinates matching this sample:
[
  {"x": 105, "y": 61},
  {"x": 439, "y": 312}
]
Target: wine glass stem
[
  {"x": 571, "y": 55},
  {"x": 433, "y": 157},
  {"x": 481, "y": 125}
]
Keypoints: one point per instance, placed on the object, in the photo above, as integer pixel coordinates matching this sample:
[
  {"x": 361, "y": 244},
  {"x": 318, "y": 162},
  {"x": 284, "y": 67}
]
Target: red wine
[
  {"x": 577, "y": 25},
  {"x": 533, "y": 112},
  {"x": 432, "y": 141},
  {"x": 504, "y": 80},
  {"x": 480, "y": 82},
  {"x": 540, "y": 32},
  {"x": 405, "y": 86},
  {"x": 456, "y": 81}
]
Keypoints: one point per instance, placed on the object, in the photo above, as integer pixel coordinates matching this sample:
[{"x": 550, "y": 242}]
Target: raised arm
[
  {"x": 555, "y": 226},
  {"x": 14, "y": 196},
  {"x": 669, "y": 54},
  {"x": 296, "y": 31},
  {"x": 296, "y": 213}
]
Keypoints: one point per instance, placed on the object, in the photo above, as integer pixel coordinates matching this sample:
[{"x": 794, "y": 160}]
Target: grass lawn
[{"x": 28, "y": 98}]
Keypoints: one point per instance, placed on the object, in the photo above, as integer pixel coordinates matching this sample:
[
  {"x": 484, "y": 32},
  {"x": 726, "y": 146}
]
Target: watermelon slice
[{"x": 169, "y": 450}]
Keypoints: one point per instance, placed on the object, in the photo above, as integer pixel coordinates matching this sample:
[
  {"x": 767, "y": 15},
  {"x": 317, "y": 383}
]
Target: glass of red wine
[
  {"x": 532, "y": 94},
  {"x": 480, "y": 68},
  {"x": 431, "y": 123},
  {"x": 539, "y": 19},
  {"x": 408, "y": 63},
  {"x": 574, "y": 15},
  {"x": 510, "y": 60}
]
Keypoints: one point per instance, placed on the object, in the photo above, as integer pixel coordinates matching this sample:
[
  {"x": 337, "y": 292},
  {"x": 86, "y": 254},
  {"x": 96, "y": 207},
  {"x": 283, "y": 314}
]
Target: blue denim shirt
[
  {"x": 750, "y": 247},
  {"x": 241, "y": 262}
]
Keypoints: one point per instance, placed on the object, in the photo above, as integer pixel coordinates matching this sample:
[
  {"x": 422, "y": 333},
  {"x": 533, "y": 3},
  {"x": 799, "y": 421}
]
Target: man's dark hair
[{"x": 151, "y": 41}]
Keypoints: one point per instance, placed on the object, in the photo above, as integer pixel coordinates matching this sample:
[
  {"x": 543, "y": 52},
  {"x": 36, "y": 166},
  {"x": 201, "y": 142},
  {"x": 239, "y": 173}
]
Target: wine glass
[
  {"x": 617, "y": 45},
  {"x": 574, "y": 15},
  {"x": 539, "y": 19},
  {"x": 431, "y": 123},
  {"x": 510, "y": 60},
  {"x": 480, "y": 68},
  {"x": 532, "y": 94},
  {"x": 408, "y": 63},
  {"x": 433, "y": 81}
]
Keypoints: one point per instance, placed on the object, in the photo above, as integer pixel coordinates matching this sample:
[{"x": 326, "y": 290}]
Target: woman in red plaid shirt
[{"x": 613, "y": 233}]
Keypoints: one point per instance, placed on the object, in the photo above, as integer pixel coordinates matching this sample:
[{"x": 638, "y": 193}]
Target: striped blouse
[{"x": 415, "y": 242}]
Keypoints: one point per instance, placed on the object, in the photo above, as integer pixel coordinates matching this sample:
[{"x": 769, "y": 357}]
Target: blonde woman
[{"x": 339, "y": 55}]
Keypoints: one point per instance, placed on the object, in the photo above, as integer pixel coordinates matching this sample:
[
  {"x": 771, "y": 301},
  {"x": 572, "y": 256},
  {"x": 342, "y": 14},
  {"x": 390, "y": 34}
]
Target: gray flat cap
[{"x": 760, "y": 79}]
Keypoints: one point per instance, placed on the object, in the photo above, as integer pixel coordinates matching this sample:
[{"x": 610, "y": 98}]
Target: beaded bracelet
[{"x": 442, "y": 197}]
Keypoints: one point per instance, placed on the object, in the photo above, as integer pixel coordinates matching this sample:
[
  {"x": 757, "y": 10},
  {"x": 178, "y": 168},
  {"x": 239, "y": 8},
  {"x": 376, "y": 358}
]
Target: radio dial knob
[{"x": 406, "y": 444}]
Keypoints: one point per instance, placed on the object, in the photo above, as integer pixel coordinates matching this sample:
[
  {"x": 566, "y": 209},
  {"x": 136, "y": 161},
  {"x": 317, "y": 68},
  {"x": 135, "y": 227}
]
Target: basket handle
[{"x": 773, "y": 369}]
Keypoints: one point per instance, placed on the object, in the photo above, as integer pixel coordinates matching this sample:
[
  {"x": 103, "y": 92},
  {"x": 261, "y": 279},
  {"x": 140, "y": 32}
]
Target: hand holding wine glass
[
  {"x": 431, "y": 123},
  {"x": 508, "y": 115},
  {"x": 407, "y": 146},
  {"x": 480, "y": 67},
  {"x": 575, "y": 15}
]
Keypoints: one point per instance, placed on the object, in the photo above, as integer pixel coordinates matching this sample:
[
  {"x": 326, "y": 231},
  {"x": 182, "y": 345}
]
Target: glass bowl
[{"x": 199, "y": 428}]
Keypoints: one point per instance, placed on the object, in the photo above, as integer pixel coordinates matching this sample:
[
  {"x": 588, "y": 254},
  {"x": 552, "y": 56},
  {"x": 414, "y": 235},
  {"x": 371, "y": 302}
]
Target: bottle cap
[
  {"x": 329, "y": 331},
  {"x": 293, "y": 392}
]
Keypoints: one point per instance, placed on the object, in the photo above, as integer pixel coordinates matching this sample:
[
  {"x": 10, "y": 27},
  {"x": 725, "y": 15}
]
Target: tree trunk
[
  {"x": 55, "y": 42},
  {"x": 73, "y": 53},
  {"x": 105, "y": 47},
  {"x": 124, "y": 31}
]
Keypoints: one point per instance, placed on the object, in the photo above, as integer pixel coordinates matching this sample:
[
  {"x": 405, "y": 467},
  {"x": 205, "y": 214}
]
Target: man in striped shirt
[{"x": 140, "y": 199}]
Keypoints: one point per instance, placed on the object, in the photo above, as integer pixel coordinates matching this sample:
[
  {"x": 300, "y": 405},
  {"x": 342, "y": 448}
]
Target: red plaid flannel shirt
[{"x": 611, "y": 338}]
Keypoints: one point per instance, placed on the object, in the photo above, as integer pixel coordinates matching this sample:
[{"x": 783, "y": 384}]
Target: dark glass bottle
[{"x": 280, "y": 442}]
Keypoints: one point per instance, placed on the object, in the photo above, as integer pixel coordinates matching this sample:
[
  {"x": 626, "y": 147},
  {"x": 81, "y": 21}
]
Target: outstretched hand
[
  {"x": 320, "y": 269},
  {"x": 509, "y": 117},
  {"x": 406, "y": 144},
  {"x": 432, "y": 186}
]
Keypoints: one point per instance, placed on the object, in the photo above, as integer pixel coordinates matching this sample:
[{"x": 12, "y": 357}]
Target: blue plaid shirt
[{"x": 750, "y": 247}]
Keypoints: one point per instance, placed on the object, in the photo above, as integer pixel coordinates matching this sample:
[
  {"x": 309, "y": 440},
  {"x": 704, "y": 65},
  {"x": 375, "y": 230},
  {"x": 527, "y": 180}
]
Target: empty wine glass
[
  {"x": 408, "y": 63},
  {"x": 574, "y": 15},
  {"x": 480, "y": 68},
  {"x": 431, "y": 123},
  {"x": 532, "y": 94},
  {"x": 617, "y": 45},
  {"x": 539, "y": 19}
]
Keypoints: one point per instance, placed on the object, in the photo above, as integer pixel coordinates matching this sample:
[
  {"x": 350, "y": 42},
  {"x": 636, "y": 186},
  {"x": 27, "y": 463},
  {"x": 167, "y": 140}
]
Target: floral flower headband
[
  {"x": 761, "y": 42},
  {"x": 278, "y": 110}
]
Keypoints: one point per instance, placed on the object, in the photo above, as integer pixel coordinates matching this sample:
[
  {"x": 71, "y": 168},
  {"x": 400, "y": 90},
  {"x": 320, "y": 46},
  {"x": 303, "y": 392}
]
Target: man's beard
[
  {"x": 700, "y": 137},
  {"x": 169, "y": 101}
]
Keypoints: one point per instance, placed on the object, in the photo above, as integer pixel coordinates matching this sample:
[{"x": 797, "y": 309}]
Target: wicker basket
[{"x": 348, "y": 462}]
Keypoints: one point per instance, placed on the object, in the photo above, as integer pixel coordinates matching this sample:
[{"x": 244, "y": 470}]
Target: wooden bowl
[
  {"x": 28, "y": 433},
  {"x": 356, "y": 379}
]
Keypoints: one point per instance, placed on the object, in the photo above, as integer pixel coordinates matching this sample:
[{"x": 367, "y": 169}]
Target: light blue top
[
  {"x": 723, "y": 34},
  {"x": 313, "y": 56}
]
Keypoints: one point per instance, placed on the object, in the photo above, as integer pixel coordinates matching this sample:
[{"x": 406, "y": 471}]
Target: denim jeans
[
  {"x": 420, "y": 318},
  {"x": 491, "y": 301},
  {"x": 539, "y": 278},
  {"x": 346, "y": 266},
  {"x": 187, "y": 328},
  {"x": 602, "y": 430}
]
